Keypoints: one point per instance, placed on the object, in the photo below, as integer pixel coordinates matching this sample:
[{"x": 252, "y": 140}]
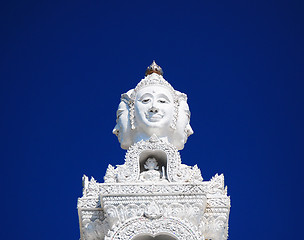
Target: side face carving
[
  {"x": 183, "y": 128},
  {"x": 122, "y": 128},
  {"x": 153, "y": 107}
]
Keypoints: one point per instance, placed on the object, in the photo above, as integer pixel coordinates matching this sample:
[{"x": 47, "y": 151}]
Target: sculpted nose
[
  {"x": 115, "y": 131},
  {"x": 189, "y": 130},
  {"x": 153, "y": 109}
]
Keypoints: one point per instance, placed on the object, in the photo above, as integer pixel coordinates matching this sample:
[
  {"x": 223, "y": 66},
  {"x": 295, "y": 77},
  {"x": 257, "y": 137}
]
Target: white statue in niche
[
  {"x": 152, "y": 173},
  {"x": 153, "y": 107}
]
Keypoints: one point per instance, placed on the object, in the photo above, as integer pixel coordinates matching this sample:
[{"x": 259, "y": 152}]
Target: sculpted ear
[
  {"x": 181, "y": 96},
  {"x": 126, "y": 97}
]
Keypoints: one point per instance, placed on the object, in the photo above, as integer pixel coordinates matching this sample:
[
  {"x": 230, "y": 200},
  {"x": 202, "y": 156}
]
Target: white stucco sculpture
[
  {"x": 122, "y": 128},
  {"x": 153, "y": 195},
  {"x": 153, "y": 107},
  {"x": 151, "y": 172}
]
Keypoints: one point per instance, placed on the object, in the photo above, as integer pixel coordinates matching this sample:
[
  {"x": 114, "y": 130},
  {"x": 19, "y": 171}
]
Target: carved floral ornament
[
  {"x": 153, "y": 194},
  {"x": 175, "y": 171},
  {"x": 170, "y": 226},
  {"x": 153, "y": 107},
  {"x": 126, "y": 204},
  {"x": 92, "y": 189}
]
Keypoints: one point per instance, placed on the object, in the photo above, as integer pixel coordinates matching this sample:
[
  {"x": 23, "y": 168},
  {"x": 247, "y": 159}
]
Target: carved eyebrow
[
  {"x": 119, "y": 112},
  {"x": 188, "y": 112},
  {"x": 145, "y": 95},
  {"x": 163, "y": 96}
]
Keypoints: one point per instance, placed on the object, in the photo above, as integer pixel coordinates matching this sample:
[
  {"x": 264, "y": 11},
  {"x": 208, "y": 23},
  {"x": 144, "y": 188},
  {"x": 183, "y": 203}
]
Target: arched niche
[
  {"x": 157, "y": 237},
  {"x": 166, "y": 154},
  {"x": 158, "y": 229},
  {"x": 159, "y": 155}
]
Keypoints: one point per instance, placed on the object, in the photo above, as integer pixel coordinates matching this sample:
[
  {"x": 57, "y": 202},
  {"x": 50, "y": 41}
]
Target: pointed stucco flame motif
[
  {"x": 152, "y": 193},
  {"x": 152, "y": 211}
]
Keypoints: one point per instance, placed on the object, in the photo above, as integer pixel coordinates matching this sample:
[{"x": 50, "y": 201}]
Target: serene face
[
  {"x": 154, "y": 107},
  {"x": 122, "y": 128},
  {"x": 151, "y": 164},
  {"x": 183, "y": 128}
]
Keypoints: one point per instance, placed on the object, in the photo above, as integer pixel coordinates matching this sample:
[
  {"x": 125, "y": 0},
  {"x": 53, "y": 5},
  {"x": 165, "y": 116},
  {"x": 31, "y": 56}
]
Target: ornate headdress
[{"x": 154, "y": 76}]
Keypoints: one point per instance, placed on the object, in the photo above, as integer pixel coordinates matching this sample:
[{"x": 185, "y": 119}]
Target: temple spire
[{"x": 154, "y": 68}]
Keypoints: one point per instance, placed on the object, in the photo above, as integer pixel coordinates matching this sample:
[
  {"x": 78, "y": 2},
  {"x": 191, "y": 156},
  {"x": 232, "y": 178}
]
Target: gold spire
[{"x": 154, "y": 68}]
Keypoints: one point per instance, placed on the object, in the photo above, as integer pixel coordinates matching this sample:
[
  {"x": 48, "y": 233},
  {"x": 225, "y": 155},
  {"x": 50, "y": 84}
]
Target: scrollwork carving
[
  {"x": 152, "y": 193},
  {"x": 94, "y": 230},
  {"x": 130, "y": 172},
  {"x": 152, "y": 211},
  {"x": 146, "y": 226},
  {"x": 88, "y": 203},
  {"x": 216, "y": 227}
]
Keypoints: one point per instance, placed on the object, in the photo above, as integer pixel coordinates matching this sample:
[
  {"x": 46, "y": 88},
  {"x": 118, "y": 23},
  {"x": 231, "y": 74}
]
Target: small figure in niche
[{"x": 152, "y": 173}]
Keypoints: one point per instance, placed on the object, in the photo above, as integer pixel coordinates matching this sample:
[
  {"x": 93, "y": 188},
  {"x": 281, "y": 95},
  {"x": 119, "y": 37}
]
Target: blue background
[{"x": 64, "y": 65}]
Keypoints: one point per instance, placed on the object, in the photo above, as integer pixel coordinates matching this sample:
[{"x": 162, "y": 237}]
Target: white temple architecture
[{"x": 153, "y": 195}]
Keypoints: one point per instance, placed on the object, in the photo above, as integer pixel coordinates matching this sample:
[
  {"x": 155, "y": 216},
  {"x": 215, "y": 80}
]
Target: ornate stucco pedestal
[{"x": 153, "y": 195}]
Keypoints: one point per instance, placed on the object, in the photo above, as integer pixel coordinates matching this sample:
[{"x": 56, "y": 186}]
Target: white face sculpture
[
  {"x": 153, "y": 110},
  {"x": 151, "y": 164},
  {"x": 122, "y": 128},
  {"x": 183, "y": 128}
]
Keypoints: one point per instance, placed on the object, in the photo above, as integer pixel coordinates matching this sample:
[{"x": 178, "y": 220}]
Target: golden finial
[{"x": 154, "y": 68}]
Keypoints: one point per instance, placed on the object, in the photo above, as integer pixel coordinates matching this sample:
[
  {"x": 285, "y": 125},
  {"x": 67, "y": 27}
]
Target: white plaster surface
[{"x": 153, "y": 195}]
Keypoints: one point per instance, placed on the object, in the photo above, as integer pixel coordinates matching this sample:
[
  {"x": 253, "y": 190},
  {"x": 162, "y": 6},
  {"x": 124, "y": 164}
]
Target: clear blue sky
[{"x": 64, "y": 64}]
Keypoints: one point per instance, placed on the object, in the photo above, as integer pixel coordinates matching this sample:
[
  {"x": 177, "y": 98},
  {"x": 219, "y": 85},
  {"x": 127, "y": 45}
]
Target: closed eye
[
  {"x": 162, "y": 101},
  {"x": 119, "y": 113},
  {"x": 188, "y": 113},
  {"x": 146, "y": 100}
]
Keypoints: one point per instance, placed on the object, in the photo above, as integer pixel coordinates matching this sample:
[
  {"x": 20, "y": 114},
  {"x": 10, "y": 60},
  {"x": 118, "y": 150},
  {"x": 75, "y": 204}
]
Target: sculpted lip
[
  {"x": 185, "y": 136},
  {"x": 154, "y": 117}
]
